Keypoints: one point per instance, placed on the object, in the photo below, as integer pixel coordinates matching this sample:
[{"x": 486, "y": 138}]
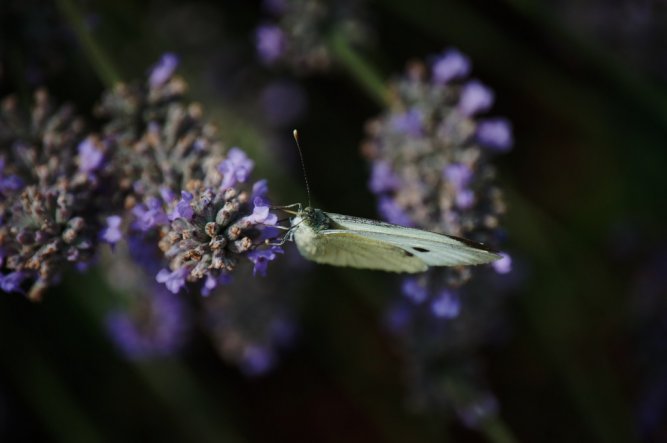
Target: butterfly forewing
[{"x": 433, "y": 249}]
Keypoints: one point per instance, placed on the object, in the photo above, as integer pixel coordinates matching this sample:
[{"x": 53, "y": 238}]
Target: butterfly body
[{"x": 344, "y": 240}]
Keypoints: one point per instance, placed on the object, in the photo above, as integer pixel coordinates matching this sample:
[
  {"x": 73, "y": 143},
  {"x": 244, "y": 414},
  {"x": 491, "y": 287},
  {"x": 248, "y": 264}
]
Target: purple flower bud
[
  {"x": 458, "y": 175},
  {"x": 446, "y": 305},
  {"x": 413, "y": 289},
  {"x": 112, "y": 233},
  {"x": 260, "y": 189},
  {"x": 450, "y": 65},
  {"x": 235, "y": 168},
  {"x": 183, "y": 208},
  {"x": 504, "y": 265},
  {"x": 390, "y": 211},
  {"x": 257, "y": 360},
  {"x": 12, "y": 281},
  {"x": 408, "y": 123},
  {"x": 90, "y": 156},
  {"x": 261, "y": 214},
  {"x": 174, "y": 281},
  {"x": 262, "y": 257},
  {"x": 147, "y": 216},
  {"x": 495, "y": 134},
  {"x": 475, "y": 98},
  {"x": 270, "y": 43},
  {"x": 163, "y": 70},
  {"x": 383, "y": 178}
]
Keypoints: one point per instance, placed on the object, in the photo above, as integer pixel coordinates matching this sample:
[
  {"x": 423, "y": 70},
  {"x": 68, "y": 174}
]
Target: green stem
[
  {"x": 361, "y": 71},
  {"x": 100, "y": 61}
]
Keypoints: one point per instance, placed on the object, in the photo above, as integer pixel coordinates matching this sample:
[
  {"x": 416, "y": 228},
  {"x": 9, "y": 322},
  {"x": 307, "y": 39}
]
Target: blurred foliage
[{"x": 584, "y": 358}]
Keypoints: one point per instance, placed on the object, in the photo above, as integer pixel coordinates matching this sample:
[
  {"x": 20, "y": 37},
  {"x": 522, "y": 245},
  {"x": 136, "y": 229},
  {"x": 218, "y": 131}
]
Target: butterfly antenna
[{"x": 295, "y": 133}]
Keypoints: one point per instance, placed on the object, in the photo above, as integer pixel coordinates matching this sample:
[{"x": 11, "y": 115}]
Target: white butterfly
[{"x": 343, "y": 240}]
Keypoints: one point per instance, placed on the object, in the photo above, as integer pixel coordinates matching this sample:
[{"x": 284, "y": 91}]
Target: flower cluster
[
  {"x": 180, "y": 186},
  {"x": 300, "y": 31},
  {"x": 55, "y": 193},
  {"x": 430, "y": 157}
]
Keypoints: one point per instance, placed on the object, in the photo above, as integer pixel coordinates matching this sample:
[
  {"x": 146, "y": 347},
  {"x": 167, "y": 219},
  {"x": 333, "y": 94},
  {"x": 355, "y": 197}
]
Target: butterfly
[{"x": 344, "y": 240}]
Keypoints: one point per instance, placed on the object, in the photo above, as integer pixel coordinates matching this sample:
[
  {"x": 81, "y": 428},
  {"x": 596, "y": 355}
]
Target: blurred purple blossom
[
  {"x": 163, "y": 70},
  {"x": 173, "y": 280},
  {"x": 183, "y": 208},
  {"x": 446, "y": 304},
  {"x": 270, "y": 42},
  {"x": 112, "y": 234},
  {"x": 475, "y": 98},
  {"x": 495, "y": 134},
  {"x": 450, "y": 65},
  {"x": 235, "y": 168},
  {"x": 262, "y": 257},
  {"x": 90, "y": 156}
]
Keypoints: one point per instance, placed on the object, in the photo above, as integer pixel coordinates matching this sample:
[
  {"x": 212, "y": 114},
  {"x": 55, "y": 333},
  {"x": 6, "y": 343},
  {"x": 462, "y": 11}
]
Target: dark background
[{"x": 584, "y": 358}]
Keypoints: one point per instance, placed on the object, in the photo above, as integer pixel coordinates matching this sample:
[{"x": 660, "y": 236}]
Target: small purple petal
[
  {"x": 495, "y": 134},
  {"x": 450, "y": 65},
  {"x": 163, "y": 70},
  {"x": 260, "y": 189},
  {"x": 475, "y": 98},
  {"x": 446, "y": 305},
  {"x": 174, "y": 281},
  {"x": 261, "y": 214},
  {"x": 235, "y": 168},
  {"x": 12, "y": 282},
  {"x": 504, "y": 265},
  {"x": 90, "y": 157},
  {"x": 262, "y": 257},
  {"x": 458, "y": 174},
  {"x": 147, "y": 216},
  {"x": 390, "y": 211},
  {"x": 112, "y": 233},
  {"x": 409, "y": 123},
  {"x": 270, "y": 43},
  {"x": 257, "y": 360},
  {"x": 183, "y": 208},
  {"x": 414, "y": 290},
  {"x": 465, "y": 199},
  {"x": 383, "y": 178},
  {"x": 283, "y": 102}
]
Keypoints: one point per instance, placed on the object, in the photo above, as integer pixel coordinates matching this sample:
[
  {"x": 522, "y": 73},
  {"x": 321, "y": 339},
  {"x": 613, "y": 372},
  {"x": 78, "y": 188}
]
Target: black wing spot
[
  {"x": 409, "y": 254},
  {"x": 420, "y": 249}
]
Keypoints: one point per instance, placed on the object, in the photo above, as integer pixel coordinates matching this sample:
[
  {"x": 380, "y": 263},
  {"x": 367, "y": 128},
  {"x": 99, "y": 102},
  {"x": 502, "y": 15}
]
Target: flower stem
[
  {"x": 360, "y": 70},
  {"x": 100, "y": 61}
]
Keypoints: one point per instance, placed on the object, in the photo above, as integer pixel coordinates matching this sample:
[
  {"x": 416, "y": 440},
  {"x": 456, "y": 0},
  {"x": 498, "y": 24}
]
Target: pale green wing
[
  {"x": 345, "y": 248},
  {"x": 433, "y": 249}
]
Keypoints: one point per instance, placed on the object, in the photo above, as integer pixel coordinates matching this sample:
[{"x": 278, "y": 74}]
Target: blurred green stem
[
  {"x": 100, "y": 61},
  {"x": 361, "y": 71}
]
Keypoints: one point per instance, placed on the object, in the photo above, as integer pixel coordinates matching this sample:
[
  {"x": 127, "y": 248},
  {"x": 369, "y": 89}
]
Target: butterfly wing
[
  {"x": 431, "y": 248},
  {"x": 347, "y": 248}
]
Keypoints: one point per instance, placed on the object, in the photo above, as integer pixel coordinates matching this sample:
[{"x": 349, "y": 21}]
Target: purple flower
[
  {"x": 174, "y": 281},
  {"x": 261, "y": 214},
  {"x": 12, "y": 282},
  {"x": 257, "y": 360},
  {"x": 90, "y": 157},
  {"x": 156, "y": 329},
  {"x": 149, "y": 215},
  {"x": 283, "y": 102},
  {"x": 458, "y": 175},
  {"x": 495, "y": 134},
  {"x": 450, "y": 65},
  {"x": 504, "y": 265},
  {"x": 414, "y": 290},
  {"x": 465, "y": 199},
  {"x": 163, "y": 70},
  {"x": 475, "y": 98},
  {"x": 260, "y": 189},
  {"x": 235, "y": 168},
  {"x": 262, "y": 257},
  {"x": 446, "y": 305},
  {"x": 383, "y": 178},
  {"x": 392, "y": 212},
  {"x": 270, "y": 43},
  {"x": 183, "y": 208},
  {"x": 213, "y": 282},
  {"x": 409, "y": 122},
  {"x": 112, "y": 233}
]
